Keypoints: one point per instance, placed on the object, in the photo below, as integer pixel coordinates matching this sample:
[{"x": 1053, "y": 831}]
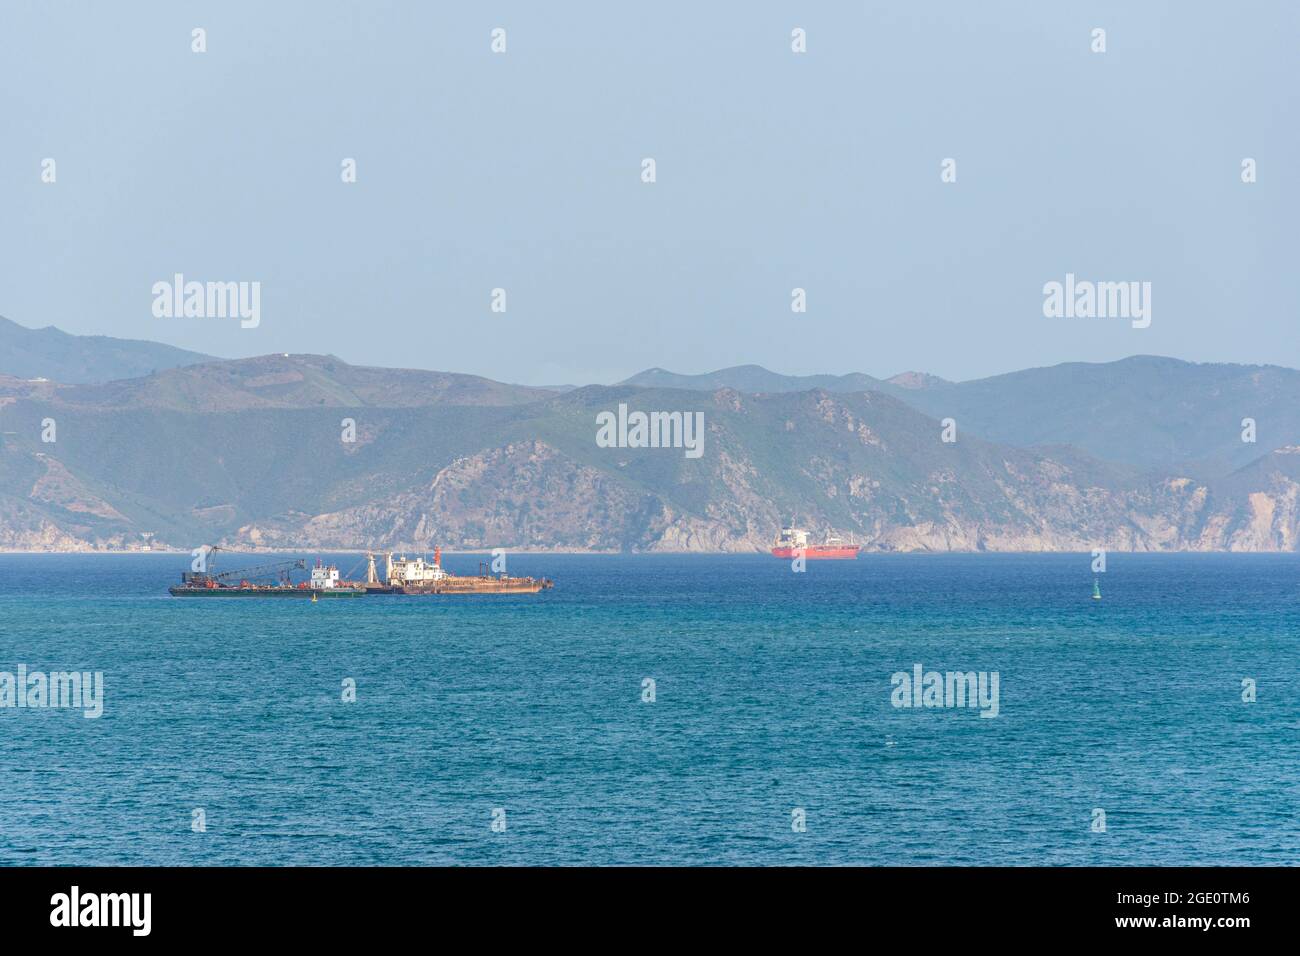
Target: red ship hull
[{"x": 820, "y": 552}]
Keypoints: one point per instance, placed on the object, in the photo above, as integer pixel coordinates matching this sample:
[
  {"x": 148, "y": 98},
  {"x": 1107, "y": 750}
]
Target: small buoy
[{"x": 1096, "y": 590}]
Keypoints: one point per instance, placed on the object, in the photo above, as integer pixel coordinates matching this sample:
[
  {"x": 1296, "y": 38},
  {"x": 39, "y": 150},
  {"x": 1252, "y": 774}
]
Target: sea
[{"x": 664, "y": 710}]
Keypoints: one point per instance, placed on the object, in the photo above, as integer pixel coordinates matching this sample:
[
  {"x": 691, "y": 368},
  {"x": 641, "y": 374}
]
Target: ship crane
[{"x": 280, "y": 569}]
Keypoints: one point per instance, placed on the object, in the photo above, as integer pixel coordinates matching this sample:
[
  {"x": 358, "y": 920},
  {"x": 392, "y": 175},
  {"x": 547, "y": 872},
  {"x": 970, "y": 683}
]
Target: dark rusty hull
[
  {"x": 477, "y": 585},
  {"x": 266, "y": 592}
]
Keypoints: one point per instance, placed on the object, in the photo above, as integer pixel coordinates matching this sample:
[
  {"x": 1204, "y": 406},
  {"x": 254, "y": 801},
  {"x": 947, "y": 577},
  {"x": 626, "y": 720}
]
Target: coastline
[{"x": 568, "y": 551}]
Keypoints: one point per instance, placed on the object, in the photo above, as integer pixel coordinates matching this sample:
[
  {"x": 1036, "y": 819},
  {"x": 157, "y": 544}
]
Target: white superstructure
[
  {"x": 792, "y": 538},
  {"x": 413, "y": 571},
  {"x": 324, "y": 577}
]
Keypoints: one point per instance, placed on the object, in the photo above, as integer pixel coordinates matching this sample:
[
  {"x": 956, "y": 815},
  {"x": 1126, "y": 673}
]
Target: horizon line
[{"x": 884, "y": 379}]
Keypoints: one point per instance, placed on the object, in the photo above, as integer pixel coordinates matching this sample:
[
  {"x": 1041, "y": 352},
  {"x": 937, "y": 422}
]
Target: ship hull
[
  {"x": 463, "y": 586},
  {"x": 304, "y": 593},
  {"x": 816, "y": 552},
  {"x": 457, "y": 585}
]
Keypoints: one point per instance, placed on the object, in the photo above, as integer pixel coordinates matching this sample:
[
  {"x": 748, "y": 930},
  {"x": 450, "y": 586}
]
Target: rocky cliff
[{"x": 477, "y": 465}]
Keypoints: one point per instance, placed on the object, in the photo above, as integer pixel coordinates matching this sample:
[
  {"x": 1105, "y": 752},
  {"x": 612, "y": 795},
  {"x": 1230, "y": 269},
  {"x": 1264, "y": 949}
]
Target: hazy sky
[{"x": 775, "y": 170}]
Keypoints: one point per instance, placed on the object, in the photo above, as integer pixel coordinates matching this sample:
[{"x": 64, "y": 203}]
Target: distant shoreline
[
  {"x": 513, "y": 551},
  {"x": 377, "y": 551}
]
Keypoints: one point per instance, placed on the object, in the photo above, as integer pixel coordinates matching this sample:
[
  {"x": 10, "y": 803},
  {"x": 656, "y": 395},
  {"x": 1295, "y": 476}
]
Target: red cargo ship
[{"x": 792, "y": 542}]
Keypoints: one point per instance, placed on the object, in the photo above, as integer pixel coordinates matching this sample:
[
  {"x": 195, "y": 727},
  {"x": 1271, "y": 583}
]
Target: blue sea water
[{"x": 772, "y": 692}]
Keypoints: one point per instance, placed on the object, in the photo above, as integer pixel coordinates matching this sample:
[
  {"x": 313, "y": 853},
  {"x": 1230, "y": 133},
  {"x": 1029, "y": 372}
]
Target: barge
[
  {"x": 414, "y": 576},
  {"x": 323, "y": 583},
  {"x": 417, "y": 576}
]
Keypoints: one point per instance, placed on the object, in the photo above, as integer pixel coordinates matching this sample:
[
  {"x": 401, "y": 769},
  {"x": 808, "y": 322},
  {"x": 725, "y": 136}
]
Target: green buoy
[{"x": 1096, "y": 590}]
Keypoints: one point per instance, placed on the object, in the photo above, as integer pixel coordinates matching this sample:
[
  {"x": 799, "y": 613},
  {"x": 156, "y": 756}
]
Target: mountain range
[
  {"x": 308, "y": 452},
  {"x": 79, "y": 359}
]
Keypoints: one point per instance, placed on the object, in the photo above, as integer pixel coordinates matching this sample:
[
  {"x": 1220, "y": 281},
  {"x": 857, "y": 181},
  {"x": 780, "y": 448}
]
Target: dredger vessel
[{"x": 414, "y": 576}]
